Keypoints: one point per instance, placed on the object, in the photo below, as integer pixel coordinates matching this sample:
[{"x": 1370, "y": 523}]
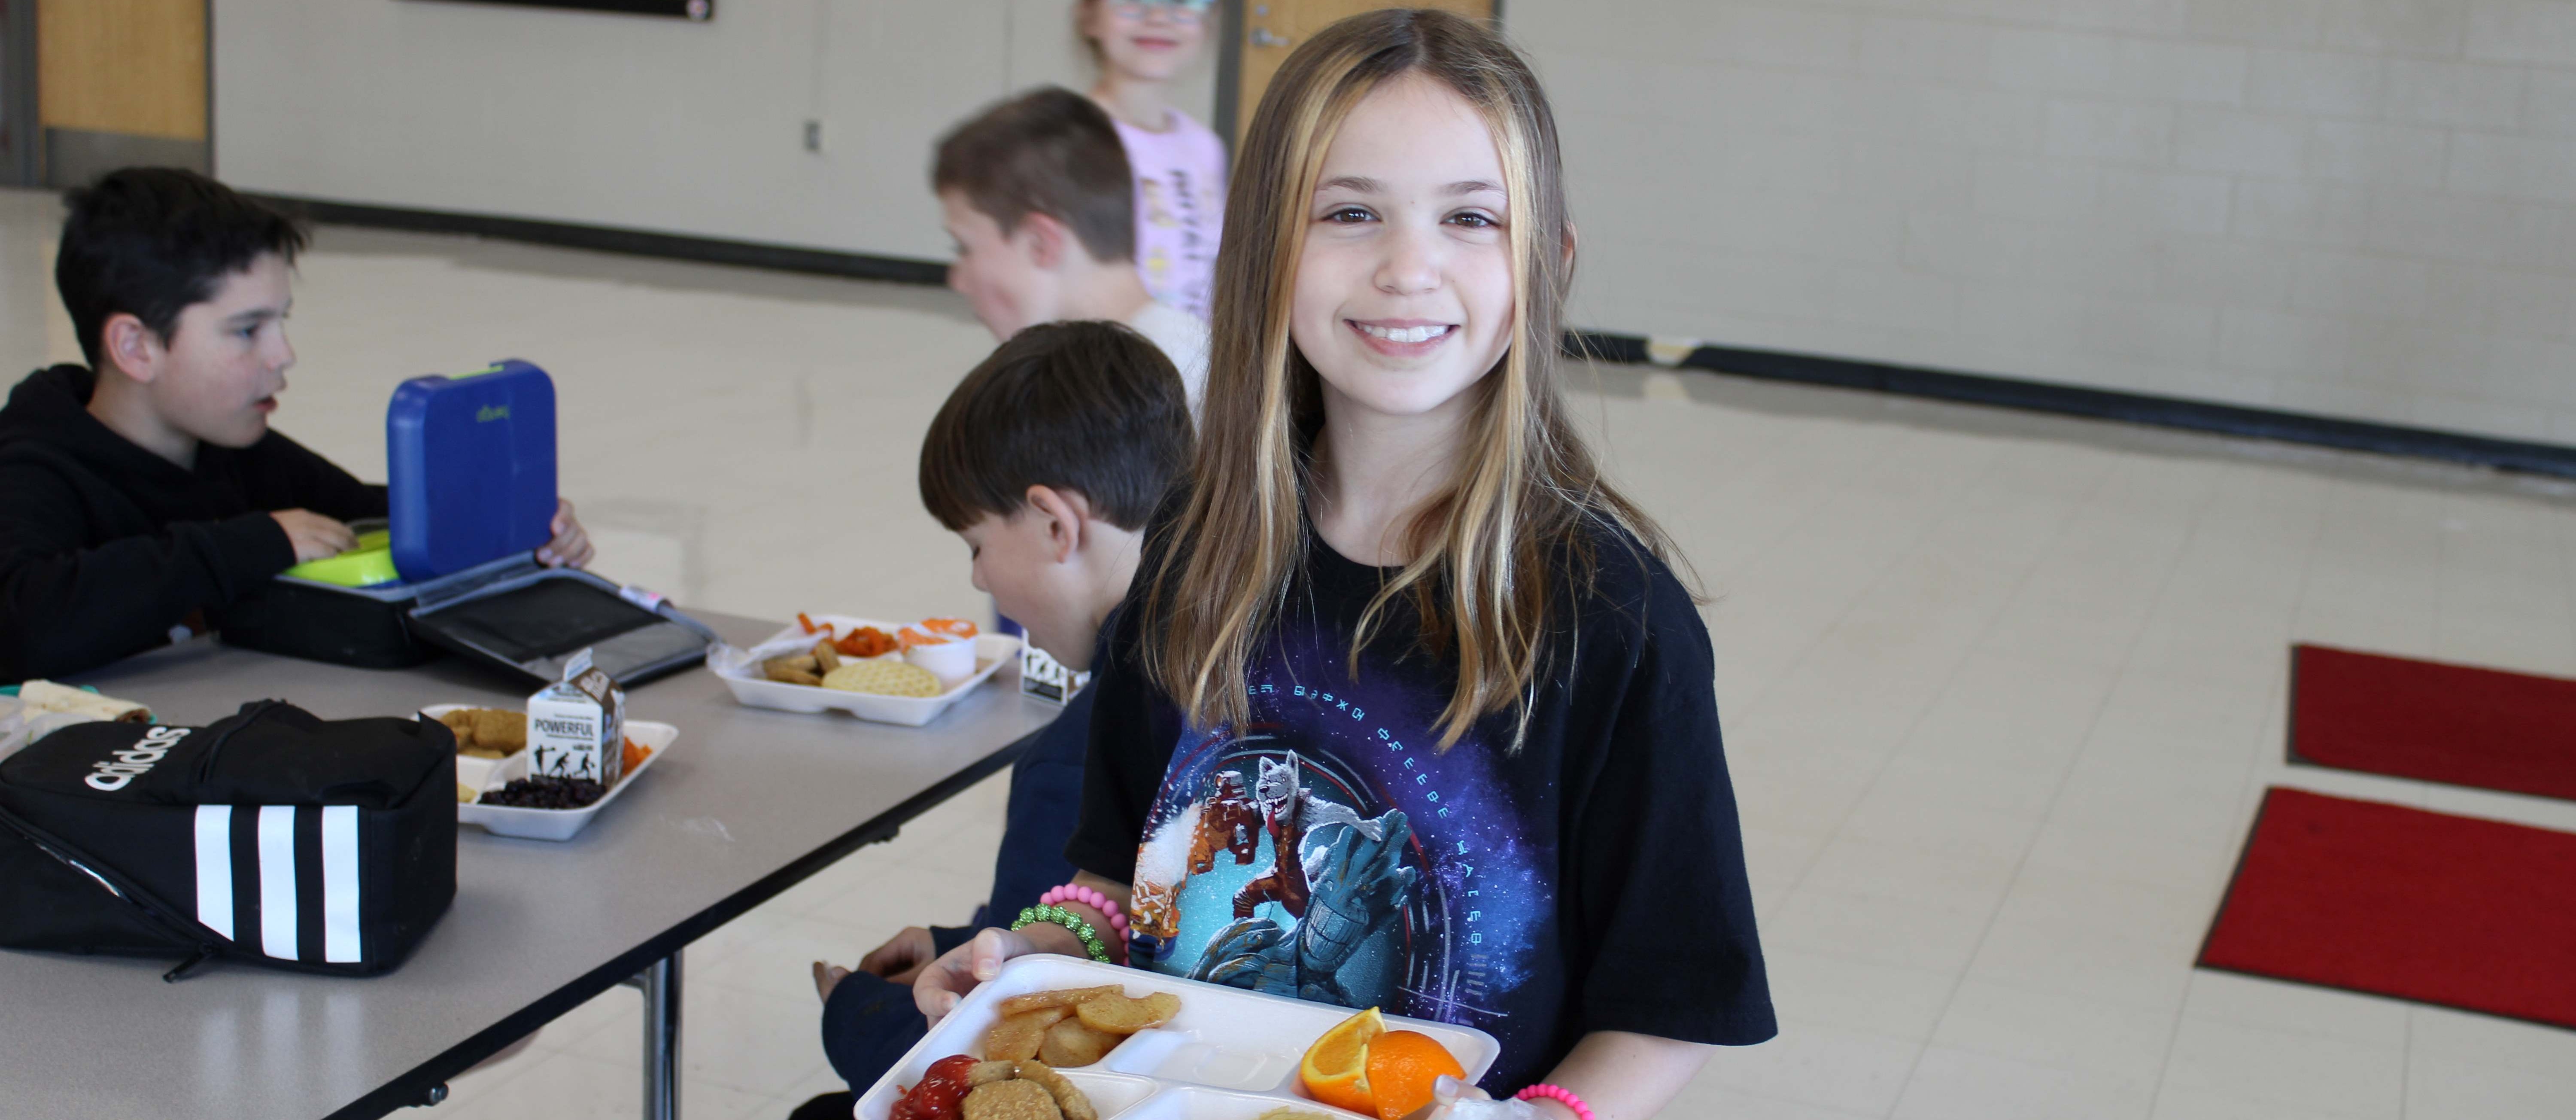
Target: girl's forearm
[{"x": 1624, "y": 1076}]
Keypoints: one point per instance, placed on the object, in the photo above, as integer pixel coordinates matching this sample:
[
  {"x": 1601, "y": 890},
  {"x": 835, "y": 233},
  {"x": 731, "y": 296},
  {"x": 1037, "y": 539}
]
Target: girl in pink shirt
[{"x": 1179, "y": 163}]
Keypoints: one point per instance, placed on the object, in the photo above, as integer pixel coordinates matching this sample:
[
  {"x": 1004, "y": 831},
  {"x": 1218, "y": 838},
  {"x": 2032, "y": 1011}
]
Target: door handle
[{"x": 1261, "y": 37}]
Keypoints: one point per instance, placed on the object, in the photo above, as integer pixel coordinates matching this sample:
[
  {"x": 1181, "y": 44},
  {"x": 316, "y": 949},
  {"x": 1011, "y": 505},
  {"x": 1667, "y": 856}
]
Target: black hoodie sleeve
[{"x": 65, "y": 607}]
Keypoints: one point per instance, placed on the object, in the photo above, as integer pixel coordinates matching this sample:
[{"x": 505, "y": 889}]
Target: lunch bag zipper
[{"x": 127, "y": 893}]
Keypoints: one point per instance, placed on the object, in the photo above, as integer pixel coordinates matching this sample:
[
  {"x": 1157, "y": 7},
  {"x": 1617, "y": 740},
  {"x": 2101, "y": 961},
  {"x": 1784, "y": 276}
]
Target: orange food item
[
  {"x": 1401, "y": 1067},
  {"x": 807, "y": 623},
  {"x": 1335, "y": 1069},
  {"x": 953, "y": 627},
  {"x": 866, "y": 641},
  {"x": 633, "y": 756}
]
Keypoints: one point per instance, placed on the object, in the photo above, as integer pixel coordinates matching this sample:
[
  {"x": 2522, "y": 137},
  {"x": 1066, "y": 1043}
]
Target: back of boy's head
[
  {"x": 1090, "y": 407},
  {"x": 149, "y": 241},
  {"x": 1048, "y": 151}
]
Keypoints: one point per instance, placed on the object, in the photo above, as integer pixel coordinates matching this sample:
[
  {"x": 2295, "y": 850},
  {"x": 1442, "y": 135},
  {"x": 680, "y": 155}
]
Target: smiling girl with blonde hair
[{"x": 1406, "y": 708}]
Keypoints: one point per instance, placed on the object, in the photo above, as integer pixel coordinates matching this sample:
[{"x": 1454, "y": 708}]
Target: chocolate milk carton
[{"x": 577, "y": 726}]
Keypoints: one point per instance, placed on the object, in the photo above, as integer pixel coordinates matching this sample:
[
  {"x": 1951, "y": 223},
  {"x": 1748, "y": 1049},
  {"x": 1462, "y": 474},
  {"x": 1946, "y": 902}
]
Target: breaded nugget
[
  {"x": 1067, "y": 1097},
  {"x": 825, "y": 657},
  {"x": 1061, "y": 997},
  {"x": 1012, "y": 1100},
  {"x": 460, "y": 723},
  {"x": 1018, "y": 1036},
  {"x": 785, "y": 671},
  {"x": 1119, "y": 1015},
  {"x": 505, "y": 732},
  {"x": 986, "y": 1073},
  {"x": 1071, "y": 1045}
]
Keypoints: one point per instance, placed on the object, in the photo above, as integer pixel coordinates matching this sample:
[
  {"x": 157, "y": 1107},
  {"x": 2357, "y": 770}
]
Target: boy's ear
[
  {"x": 1066, "y": 512},
  {"x": 132, "y": 347},
  {"x": 1048, "y": 239}
]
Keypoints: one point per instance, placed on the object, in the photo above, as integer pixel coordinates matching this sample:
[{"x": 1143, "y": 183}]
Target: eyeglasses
[{"x": 1187, "y": 10}]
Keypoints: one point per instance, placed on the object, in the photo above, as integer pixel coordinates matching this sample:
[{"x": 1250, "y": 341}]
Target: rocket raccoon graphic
[{"x": 1339, "y": 877}]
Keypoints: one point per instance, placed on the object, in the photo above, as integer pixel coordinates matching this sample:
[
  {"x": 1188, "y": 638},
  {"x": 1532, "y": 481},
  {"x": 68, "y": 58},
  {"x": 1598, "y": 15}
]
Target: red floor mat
[
  {"x": 2401, "y": 902},
  {"x": 2438, "y": 723}
]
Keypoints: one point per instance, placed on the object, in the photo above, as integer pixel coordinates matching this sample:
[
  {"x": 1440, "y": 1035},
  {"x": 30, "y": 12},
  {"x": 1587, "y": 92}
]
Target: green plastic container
[{"x": 367, "y": 565}]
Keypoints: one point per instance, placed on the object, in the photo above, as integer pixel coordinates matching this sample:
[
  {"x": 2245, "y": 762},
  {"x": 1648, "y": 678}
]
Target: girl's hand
[{"x": 944, "y": 983}]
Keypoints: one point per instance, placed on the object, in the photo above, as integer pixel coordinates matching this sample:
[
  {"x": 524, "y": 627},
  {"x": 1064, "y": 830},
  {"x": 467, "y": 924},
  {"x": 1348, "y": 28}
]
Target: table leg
[{"x": 660, "y": 984}]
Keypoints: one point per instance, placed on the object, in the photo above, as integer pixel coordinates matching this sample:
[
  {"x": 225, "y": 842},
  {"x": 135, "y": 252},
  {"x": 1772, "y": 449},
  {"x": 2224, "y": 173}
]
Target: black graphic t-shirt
[{"x": 1329, "y": 850}]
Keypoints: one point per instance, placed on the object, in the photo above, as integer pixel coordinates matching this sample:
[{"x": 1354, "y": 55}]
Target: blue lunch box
[{"x": 471, "y": 463}]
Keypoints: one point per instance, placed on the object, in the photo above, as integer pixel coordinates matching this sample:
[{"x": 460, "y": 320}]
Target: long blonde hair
[{"x": 1526, "y": 489}]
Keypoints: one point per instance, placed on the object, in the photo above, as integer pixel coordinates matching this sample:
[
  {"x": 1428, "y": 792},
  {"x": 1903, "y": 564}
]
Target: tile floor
[{"x": 2001, "y": 690}]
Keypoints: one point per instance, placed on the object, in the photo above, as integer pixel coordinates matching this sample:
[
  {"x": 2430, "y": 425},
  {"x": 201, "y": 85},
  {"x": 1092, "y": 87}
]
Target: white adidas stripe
[
  {"x": 277, "y": 881},
  {"x": 340, "y": 884},
  {"x": 215, "y": 868}
]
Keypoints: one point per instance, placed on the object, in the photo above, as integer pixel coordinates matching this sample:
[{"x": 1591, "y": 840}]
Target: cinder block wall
[{"x": 2356, "y": 208}]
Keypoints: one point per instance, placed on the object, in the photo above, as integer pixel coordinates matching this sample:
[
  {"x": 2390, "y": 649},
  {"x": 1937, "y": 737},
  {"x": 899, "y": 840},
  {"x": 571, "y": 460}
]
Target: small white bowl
[{"x": 951, "y": 661}]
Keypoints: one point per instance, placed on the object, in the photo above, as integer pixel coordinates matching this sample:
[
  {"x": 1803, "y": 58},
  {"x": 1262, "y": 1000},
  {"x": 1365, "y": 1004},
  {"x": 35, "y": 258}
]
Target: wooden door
[
  {"x": 1273, "y": 28},
  {"x": 120, "y": 81}
]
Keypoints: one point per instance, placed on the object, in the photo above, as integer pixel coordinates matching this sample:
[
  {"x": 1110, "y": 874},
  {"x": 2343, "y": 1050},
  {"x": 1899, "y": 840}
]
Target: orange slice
[
  {"x": 1402, "y": 1065},
  {"x": 1335, "y": 1069}
]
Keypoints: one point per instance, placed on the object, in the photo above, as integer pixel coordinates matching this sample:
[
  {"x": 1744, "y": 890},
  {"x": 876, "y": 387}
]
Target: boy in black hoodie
[{"x": 143, "y": 498}]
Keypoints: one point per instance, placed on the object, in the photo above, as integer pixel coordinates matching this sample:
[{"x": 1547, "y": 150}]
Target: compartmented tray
[
  {"x": 487, "y": 774},
  {"x": 1229, "y": 1055},
  {"x": 740, "y": 671}
]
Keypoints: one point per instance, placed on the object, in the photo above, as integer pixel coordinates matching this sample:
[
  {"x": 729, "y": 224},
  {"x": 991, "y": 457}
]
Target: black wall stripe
[
  {"x": 246, "y": 876},
  {"x": 308, "y": 884},
  {"x": 2099, "y": 404}
]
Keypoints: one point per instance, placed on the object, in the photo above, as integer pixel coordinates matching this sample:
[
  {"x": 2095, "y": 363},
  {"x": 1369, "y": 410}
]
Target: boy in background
[
  {"x": 143, "y": 497},
  {"x": 1048, "y": 459},
  {"x": 1036, "y": 193}
]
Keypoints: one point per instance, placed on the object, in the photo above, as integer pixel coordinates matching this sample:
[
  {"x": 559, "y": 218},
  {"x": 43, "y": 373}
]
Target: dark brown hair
[
  {"x": 149, "y": 241},
  {"x": 1090, "y": 407},
  {"x": 1049, "y": 151},
  {"x": 1510, "y": 532}
]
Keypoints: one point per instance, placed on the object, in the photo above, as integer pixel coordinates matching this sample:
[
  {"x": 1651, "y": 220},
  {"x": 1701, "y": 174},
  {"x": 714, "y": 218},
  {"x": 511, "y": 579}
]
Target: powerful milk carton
[{"x": 577, "y": 726}]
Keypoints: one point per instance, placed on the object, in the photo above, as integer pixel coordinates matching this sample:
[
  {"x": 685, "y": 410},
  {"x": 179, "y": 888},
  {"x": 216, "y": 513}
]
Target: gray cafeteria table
[{"x": 747, "y": 803}]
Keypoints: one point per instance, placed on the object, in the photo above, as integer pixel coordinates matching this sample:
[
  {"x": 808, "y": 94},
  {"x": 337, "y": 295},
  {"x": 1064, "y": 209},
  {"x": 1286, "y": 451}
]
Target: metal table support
[{"x": 661, "y": 987}]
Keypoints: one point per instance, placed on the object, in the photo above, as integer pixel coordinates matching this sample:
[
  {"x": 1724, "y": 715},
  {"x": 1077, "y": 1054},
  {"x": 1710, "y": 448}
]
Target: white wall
[
  {"x": 2357, "y": 208},
  {"x": 2360, "y": 208},
  {"x": 622, "y": 121}
]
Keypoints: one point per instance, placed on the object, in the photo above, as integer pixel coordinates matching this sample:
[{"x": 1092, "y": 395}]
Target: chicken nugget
[
  {"x": 986, "y": 1073},
  {"x": 784, "y": 670},
  {"x": 1011, "y": 1100},
  {"x": 505, "y": 732},
  {"x": 1061, "y": 997},
  {"x": 460, "y": 723},
  {"x": 1067, "y": 1097},
  {"x": 1119, "y": 1015},
  {"x": 826, "y": 658},
  {"x": 1019, "y": 1036},
  {"x": 1070, "y": 1045}
]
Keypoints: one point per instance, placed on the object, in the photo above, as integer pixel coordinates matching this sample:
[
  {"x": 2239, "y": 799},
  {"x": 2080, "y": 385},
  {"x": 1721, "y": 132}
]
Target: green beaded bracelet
[{"x": 1058, "y": 915}]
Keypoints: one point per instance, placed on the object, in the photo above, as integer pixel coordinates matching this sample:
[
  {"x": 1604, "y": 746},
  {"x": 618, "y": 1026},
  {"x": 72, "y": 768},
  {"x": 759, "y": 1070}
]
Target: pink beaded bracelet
[
  {"x": 1558, "y": 1093},
  {"x": 1074, "y": 892}
]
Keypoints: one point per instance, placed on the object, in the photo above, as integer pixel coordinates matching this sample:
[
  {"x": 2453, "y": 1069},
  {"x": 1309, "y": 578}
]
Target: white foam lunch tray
[
  {"x": 488, "y": 774},
  {"x": 740, "y": 671},
  {"x": 1229, "y": 1055}
]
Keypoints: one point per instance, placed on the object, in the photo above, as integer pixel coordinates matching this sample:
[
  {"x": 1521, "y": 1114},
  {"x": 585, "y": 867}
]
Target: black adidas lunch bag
[{"x": 272, "y": 836}]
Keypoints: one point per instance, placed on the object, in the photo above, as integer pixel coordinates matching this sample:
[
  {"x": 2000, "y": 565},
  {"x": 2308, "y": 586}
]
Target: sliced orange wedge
[
  {"x": 1335, "y": 1069},
  {"x": 1402, "y": 1066}
]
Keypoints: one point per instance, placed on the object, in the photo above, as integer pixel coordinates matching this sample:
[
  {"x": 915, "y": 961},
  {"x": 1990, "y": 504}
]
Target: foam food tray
[
  {"x": 486, "y": 774},
  {"x": 1229, "y": 1055},
  {"x": 740, "y": 671}
]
